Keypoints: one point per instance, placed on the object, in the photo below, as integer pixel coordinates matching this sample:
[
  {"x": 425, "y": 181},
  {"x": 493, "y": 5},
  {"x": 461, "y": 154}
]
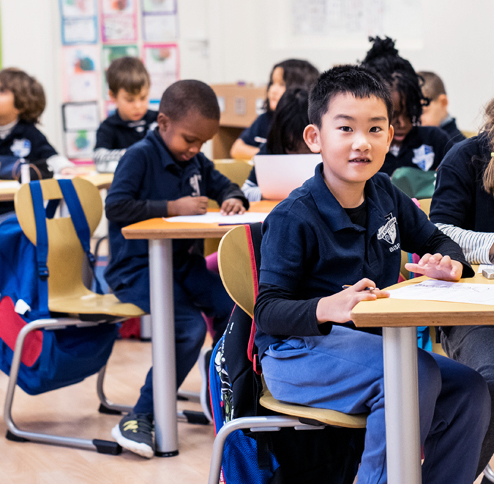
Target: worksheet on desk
[
  {"x": 217, "y": 218},
  {"x": 434, "y": 290}
]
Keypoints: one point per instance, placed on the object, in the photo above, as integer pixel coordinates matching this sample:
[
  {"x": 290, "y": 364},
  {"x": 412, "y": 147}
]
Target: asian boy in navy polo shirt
[
  {"x": 347, "y": 225},
  {"x": 165, "y": 174}
]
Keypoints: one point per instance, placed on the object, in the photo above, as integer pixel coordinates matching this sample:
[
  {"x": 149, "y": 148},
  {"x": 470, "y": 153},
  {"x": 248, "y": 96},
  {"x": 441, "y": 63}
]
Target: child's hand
[
  {"x": 437, "y": 267},
  {"x": 338, "y": 307},
  {"x": 231, "y": 206},
  {"x": 188, "y": 206}
]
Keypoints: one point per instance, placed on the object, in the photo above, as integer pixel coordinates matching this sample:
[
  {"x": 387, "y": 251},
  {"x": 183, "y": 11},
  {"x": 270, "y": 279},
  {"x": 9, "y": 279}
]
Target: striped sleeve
[
  {"x": 106, "y": 160},
  {"x": 251, "y": 191},
  {"x": 475, "y": 245}
]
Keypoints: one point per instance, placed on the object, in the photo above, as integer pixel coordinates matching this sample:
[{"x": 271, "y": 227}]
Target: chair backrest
[
  {"x": 65, "y": 253},
  {"x": 236, "y": 269}
]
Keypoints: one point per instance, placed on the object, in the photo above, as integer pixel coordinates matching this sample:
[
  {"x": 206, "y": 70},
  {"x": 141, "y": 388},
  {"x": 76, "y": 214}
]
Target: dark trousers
[{"x": 474, "y": 347}]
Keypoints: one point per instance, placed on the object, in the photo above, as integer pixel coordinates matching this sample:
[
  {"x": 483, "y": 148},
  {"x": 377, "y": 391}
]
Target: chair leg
[
  {"x": 107, "y": 406},
  {"x": 255, "y": 424},
  {"x": 101, "y": 446}
]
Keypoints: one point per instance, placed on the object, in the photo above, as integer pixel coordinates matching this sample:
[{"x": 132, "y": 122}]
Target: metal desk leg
[
  {"x": 163, "y": 337},
  {"x": 402, "y": 405}
]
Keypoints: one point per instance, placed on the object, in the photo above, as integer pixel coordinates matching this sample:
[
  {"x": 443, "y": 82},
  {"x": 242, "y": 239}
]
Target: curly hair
[
  {"x": 398, "y": 73},
  {"x": 29, "y": 95}
]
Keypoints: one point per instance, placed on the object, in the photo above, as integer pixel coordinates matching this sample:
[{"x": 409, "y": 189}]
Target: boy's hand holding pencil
[
  {"x": 337, "y": 308},
  {"x": 188, "y": 206}
]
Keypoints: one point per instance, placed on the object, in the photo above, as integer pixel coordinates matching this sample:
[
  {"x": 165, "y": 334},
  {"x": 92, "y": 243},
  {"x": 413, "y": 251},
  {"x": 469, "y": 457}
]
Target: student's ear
[
  {"x": 112, "y": 95},
  {"x": 391, "y": 133},
  {"x": 443, "y": 100},
  {"x": 163, "y": 121},
  {"x": 312, "y": 138}
]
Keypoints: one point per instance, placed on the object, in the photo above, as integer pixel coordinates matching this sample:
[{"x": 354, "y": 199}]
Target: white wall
[{"x": 232, "y": 40}]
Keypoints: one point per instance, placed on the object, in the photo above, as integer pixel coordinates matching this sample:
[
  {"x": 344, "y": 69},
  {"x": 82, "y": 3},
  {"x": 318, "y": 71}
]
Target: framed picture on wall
[{"x": 163, "y": 64}]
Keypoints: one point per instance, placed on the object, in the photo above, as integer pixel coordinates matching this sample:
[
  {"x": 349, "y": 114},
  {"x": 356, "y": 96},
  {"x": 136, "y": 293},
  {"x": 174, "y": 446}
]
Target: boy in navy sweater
[
  {"x": 346, "y": 225},
  {"x": 128, "y": 82},
  {"x": 163, "y": 175}
]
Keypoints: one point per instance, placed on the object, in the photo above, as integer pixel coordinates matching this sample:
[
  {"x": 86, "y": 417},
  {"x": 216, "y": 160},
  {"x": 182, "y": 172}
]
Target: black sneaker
[
  {"x": 203, "y": 362},
  {"x": 135, "y": 433}
]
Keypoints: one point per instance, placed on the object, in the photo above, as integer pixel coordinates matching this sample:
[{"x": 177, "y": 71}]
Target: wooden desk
[
  {"x": 160, "y": 234},
  {"x": 100, "y": 180},
  {"x": 399, "y": 319}
]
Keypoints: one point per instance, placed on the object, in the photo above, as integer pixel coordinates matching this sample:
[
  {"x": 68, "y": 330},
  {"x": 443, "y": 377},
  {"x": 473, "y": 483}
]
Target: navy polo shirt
[
  {"x": 424, "y": 147},
  {"x": 311, "y": 248},
  {"x": 258, "y": 131},
  {"x": 116, "y": 134},
  {"x": 459, "y": 198},
  {"x": 455, "y": 135},
  {"x": 147, "y": 177}
]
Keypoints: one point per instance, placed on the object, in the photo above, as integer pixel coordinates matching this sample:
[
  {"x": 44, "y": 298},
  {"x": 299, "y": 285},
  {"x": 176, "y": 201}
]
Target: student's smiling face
[
  {"x": 184, "y": 137},
  {"x": 353, "y": 139}
]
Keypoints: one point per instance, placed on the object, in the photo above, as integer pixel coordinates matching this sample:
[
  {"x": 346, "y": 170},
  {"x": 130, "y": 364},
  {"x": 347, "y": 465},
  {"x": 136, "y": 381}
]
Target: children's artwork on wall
[
  {"x": 81, "y": 71},
  {"x": 109, "y": 54},
  {"x": 80, "y": 144},
  {"x": 159, "y": 6},
  {"x": 163, "y": 64},
  {"x": 80, "y": 116},
  {"x": 79, "y": 22},
  {"x": 118, "y": 20},
  {"x": 159, "y": 20}
]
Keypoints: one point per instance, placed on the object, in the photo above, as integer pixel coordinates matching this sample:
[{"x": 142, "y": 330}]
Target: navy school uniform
[
  {"x": 310, "y": 248},
  {"x": 145, "y": 179},
  {"x": 460, "y": 200},
  {"x": 116, "y": 134},
  {"x": 40, "y": 150},
  {"x": 257, "y": 133},
  {"x": 449, "y": 126},
  {"x": 424, "y": 147}
]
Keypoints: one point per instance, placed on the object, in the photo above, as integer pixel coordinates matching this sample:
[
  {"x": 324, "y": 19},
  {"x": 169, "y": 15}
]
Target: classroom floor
[{"x": 74, "y": 410}]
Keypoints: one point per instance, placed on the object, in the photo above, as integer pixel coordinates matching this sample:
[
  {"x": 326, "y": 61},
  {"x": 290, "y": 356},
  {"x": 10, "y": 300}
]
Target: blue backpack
[
  {"x": 329, "y": 456},
  {"x": 51, "y": 359}
]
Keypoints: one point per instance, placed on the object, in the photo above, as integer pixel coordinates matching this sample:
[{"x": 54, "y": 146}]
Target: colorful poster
[
  {"x": 163, "y": 64},
  {"x": 80, "y": 144},
  {"x": 80, "y": 116},
  {"x": 79, "y": 22},
  {"x": 118, "y": 21},
  {"x": 81, "y": 71},
  {"x": 159, "y": 6},
  {"x": 159, "y": 28}
]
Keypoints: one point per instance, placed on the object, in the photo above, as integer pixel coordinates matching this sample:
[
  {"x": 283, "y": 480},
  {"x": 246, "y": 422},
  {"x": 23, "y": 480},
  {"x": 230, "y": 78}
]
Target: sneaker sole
[{"x": 138, "y": 448}]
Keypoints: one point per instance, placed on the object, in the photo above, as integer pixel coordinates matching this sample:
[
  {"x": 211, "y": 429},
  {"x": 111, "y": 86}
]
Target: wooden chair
[
  {"x": 68, "y": 298},
  {"x": 237, "y": 276}
]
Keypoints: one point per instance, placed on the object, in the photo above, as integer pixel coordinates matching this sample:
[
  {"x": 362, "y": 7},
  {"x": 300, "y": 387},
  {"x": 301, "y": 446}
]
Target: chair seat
[
  {"x": 92, "y": 303},
  {"x": 329, "y": 417}
]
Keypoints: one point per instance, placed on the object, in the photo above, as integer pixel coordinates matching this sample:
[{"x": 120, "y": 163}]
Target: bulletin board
[
  {"x": 93, "y": 34},
  {"x": 344, "y": 24}
]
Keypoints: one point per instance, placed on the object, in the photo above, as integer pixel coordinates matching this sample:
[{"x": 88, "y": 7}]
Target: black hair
[
  {"x": 289, "y": 121},
  {"x": 356, "y": 80},
  {"x": 296, "y": 73},
  {"x": 187, "y": 95},
  {"x": 399, "y": 74}
]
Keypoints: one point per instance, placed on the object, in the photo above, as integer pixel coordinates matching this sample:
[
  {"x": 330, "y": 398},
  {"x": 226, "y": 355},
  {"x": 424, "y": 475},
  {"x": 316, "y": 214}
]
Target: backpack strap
[
  {"x": 254, "y": 237},
  {"x": 41, "y": 244},
  {"x": 80, "y": 224}
]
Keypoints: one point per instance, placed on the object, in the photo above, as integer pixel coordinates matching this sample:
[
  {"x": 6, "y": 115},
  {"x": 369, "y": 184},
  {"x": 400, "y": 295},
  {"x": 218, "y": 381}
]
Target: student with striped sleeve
[{"x": 463, "y": 208}]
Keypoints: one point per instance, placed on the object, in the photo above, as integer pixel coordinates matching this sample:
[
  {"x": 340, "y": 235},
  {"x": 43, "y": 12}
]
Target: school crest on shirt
[
  {"x": 21, "y": 147},
  {"x": 388, "y": 230},
  {"x": 423, "y": 157},
  {"x": 194, "y": 183}
]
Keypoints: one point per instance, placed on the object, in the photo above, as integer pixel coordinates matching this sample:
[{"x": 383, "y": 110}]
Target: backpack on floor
[
  {"x": 329, "y": 456},
  {"x": 56, "y": 358}
]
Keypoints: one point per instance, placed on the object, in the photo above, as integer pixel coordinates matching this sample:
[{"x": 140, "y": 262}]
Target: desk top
[
  {"x": 100, "y": 180},
  {"x": 402, "y": 313},
  {"x": 157, "y": 228}
]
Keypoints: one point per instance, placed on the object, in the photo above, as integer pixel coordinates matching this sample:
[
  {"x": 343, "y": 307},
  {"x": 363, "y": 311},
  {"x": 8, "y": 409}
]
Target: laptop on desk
[{"x": 278, "y": 175}]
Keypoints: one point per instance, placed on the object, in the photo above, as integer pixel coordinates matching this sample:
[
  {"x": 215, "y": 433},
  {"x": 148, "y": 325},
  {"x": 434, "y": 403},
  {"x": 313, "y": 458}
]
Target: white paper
[
  {"x": 7, "y": 185},
  {"x": 217, "y": 218},
  {"x": 433, "y": 290}
]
